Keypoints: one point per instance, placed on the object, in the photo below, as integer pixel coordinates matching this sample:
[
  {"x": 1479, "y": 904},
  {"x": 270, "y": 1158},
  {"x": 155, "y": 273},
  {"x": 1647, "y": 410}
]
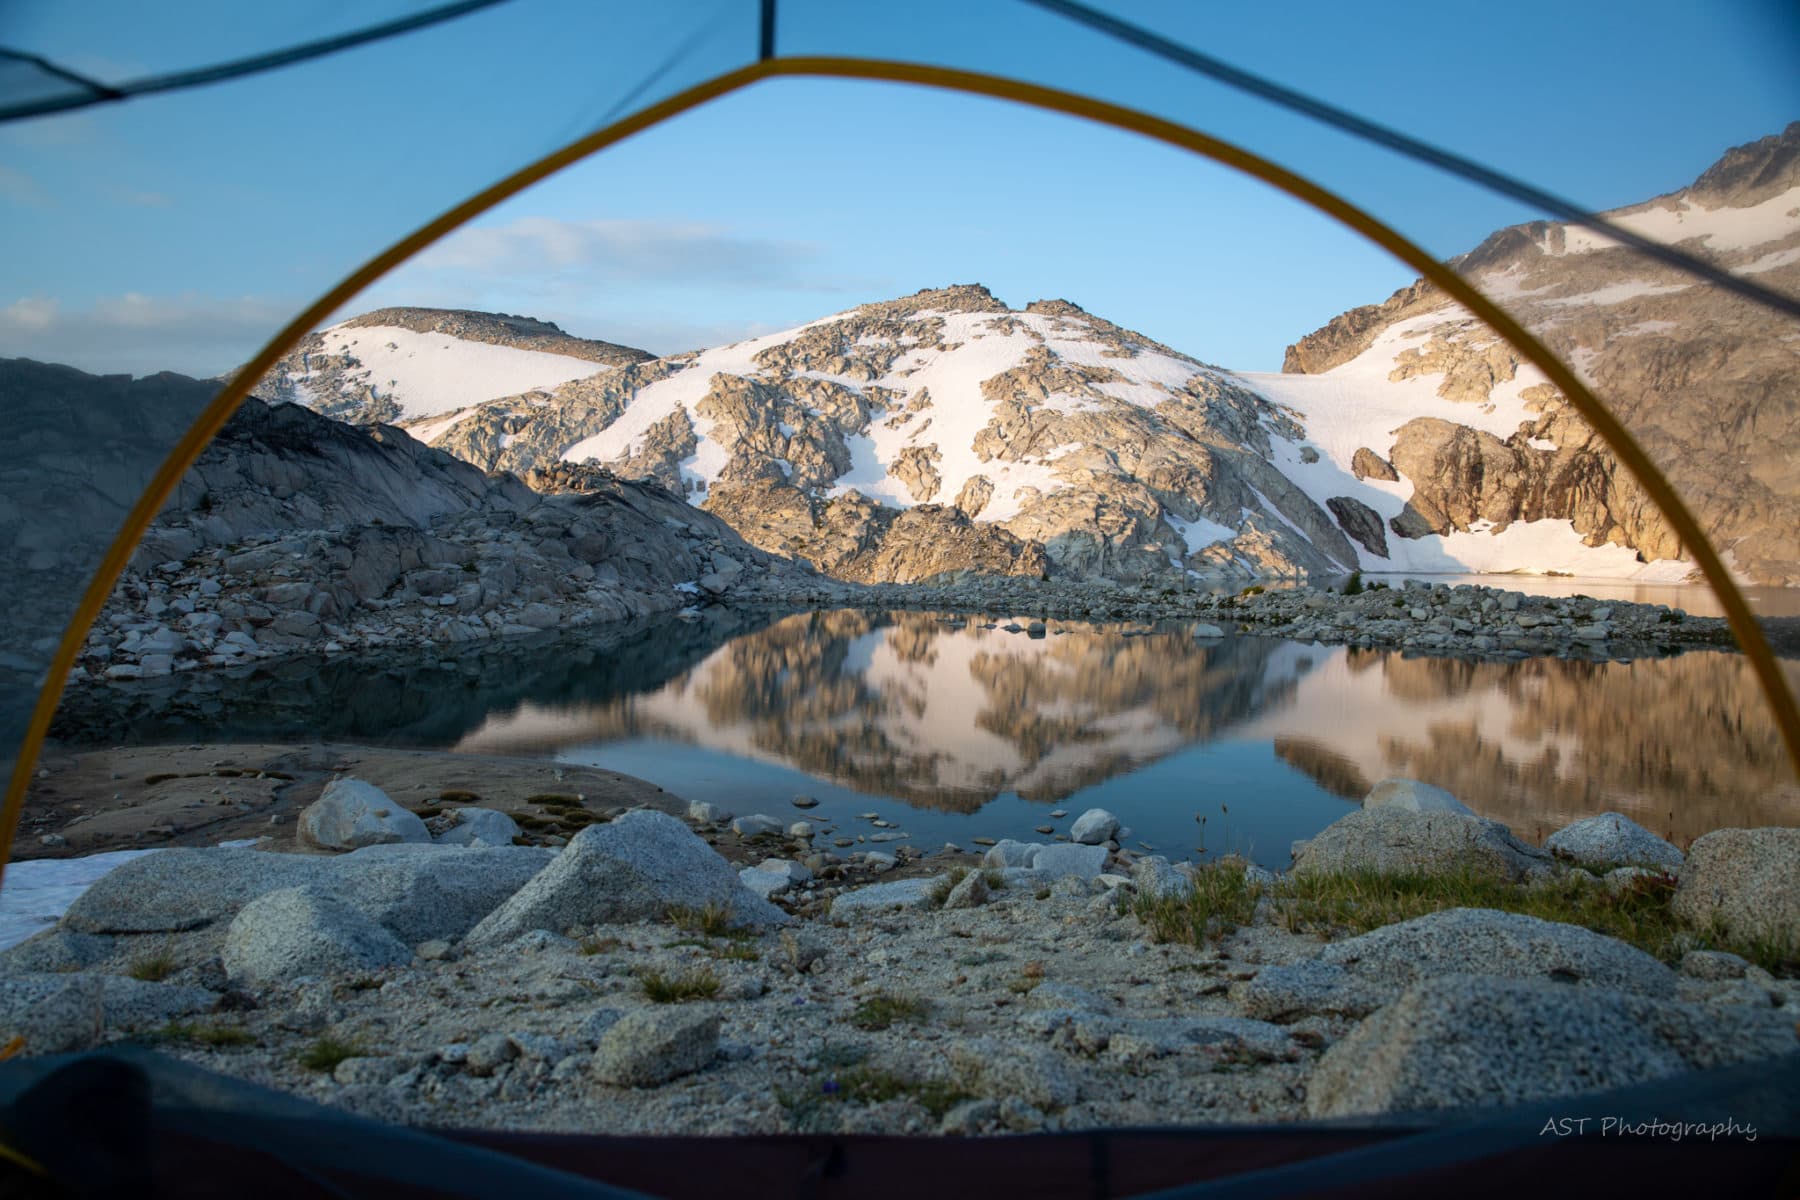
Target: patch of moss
[{"x": 458, "y": 796}]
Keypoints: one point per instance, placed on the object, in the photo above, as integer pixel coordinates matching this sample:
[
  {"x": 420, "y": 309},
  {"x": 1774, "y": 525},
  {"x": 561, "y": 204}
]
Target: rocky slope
[
  {"x": 298, "y": 533},
  {"x": 1436, "y": 426},
  {"x": 939, "y": 432}
]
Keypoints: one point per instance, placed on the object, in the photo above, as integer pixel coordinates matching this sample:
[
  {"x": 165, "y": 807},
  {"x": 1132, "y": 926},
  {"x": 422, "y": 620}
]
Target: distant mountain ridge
[{"x": 946, "y": 431}]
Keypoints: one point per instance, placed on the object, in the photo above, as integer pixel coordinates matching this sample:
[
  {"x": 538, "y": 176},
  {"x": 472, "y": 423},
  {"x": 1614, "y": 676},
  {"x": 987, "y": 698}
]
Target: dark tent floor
[{"x": 139, "y": 1124}]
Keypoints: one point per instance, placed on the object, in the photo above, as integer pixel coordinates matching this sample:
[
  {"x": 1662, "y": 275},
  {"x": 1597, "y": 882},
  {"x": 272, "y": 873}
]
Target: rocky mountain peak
[
  {"x": 957, "y": 298},
  {"x": 1752, "y": 173}
]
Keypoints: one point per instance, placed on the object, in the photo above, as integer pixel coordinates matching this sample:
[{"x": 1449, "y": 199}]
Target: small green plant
[
  {"x": 844, "y": 1078},
  {"x": 662, "y": 987},
  {"x": 216, "y": 1036},
  {"x": 714, "y": 920},
  {"x": 738, "y": 952},
  {"x": 885, "y": 1009},
  {"x": 947, "y": 882},
  {"x": 325, "y": 1054},
  {"x": 591, "y": 946},
  {"x": 1255, "y": 589},
  {"x": 1354, "y": 585},
  {"x": 458, "y": 796},
  {"x": 155, "y": 968},
  {"x": 1222, "y": 900}
]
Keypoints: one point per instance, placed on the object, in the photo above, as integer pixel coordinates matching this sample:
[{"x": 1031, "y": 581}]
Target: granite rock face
[
  {"x": 297, "y": 932},
  {"x": 1746, "y": 880},
  {"x": 635, "y": 867},
  {"x": 1462, "y": 1040},
  {"x": 1392, "y": 840},
  {"x": 1477, "y": 941},
  {"x": 1612, "y": 840}
]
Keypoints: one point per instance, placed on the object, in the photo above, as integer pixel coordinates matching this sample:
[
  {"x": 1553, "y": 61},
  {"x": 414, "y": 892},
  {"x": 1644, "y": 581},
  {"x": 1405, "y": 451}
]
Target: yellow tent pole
[{"x": 1737, "y": 612}]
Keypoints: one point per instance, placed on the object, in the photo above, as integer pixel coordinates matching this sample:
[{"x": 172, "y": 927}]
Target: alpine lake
[{"x": 949, "y": 728}]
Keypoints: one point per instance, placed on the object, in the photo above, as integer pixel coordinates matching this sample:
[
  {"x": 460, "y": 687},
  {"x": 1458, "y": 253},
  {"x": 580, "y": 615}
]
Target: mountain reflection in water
[
  {"x": 920, "y": 709},
  {"x": 953, "y": 731}
]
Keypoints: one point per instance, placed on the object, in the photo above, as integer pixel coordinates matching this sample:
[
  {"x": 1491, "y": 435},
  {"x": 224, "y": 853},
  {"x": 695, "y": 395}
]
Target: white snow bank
[{"x": 430, "y": 374}]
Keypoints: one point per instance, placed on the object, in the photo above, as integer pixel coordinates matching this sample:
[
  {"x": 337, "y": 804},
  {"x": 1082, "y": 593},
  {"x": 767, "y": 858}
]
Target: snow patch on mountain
[{"x": 431, "y": 374}]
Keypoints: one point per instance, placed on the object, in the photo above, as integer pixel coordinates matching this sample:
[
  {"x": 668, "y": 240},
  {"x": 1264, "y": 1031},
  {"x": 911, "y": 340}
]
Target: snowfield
[{"x": 433, "y": 374}]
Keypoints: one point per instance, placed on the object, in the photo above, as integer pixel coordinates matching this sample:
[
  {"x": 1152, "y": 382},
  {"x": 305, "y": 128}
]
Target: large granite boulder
[
  {"x": 1389, "y": 840},
  {"x": 350, "y": 813},
  {"x": 424, "y": 892},
  {"x": 636, "y": 867},
  {"x": 1747, "y": 882},
  {"x": 418, "y": 892},
  {"x": 1612, "y": 840},
  {"x": 1475, "y": 1041},
  {"x": 297, "y": 932},
  {"x": 181, "y": 888},
  {"x": 1484, "y": 941}
]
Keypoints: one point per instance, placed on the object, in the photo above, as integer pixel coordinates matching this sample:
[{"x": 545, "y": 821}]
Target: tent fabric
[
  {"x": 133, "y": 1122},
  {"x": 78, "y": 484},
  {"x": 62, "y": 561}
]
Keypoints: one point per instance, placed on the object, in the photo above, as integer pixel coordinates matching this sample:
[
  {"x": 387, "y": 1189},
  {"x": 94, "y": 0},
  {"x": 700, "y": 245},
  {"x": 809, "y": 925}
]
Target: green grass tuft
[
  {"x": 1221, "y": 901},
  {"x": 714, "y": 920},
  {"x": 885, "y": 1009},
  {"x": 325, "y": 1054},
  {"x": 216, "y": 1036},
  {"x": 1640, "y": 914},
  {"x": 669, "y": 988},
  {"x": 155, "y": 968}
]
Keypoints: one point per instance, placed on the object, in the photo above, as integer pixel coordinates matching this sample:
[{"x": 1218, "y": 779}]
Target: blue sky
[{"x": 180, "y": 231}]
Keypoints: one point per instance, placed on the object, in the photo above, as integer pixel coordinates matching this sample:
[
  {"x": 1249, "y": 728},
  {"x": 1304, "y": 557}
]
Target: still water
[{"x": 951, "y": 731}]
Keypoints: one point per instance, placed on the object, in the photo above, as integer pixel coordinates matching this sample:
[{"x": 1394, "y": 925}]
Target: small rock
[
  {"x": 755, "y": 824},
  {"x": 488, "y": 1052},
  {"x": 351, "y": 813},
  {"x": 1094, "y": 827},
  {"x": 485, "y": 825},
  {"x": 970, "y": 892},
  {"x": 804, "y": 802},
  {"x": 654, "y": 1045}
]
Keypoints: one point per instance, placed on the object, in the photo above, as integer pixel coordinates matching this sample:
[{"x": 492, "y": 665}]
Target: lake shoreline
[{"x": 1477, "y": 621}]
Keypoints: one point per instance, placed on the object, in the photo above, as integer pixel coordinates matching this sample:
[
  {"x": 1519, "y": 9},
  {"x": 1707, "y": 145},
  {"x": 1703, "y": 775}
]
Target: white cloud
[
  {"x": 614, "y": 252},
  {"x": 194, "y": 335}
]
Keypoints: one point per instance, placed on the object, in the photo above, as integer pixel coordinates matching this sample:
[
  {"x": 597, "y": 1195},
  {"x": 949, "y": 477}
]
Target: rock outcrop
[
  {"x": 295, "y": 533},
  {"x": 1703, "y": 378}
]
